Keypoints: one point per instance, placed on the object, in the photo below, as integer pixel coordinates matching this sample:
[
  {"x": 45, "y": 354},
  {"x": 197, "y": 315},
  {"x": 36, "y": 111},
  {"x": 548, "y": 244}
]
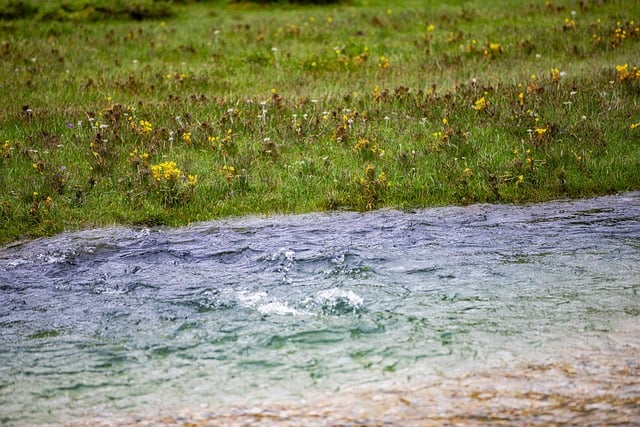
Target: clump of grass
[
  {"x": 229, "y": 110},
  {"x": 95, "y": 10},
  {"x": 308, "y": 2},
  {"x": 17, "y": 9}
]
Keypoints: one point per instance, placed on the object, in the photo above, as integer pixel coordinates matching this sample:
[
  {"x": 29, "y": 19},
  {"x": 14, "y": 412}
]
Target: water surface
[{"x": 480, "y": 314}]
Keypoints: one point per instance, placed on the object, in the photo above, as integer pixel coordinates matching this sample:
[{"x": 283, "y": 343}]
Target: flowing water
[{"x": 480, "y": 314}]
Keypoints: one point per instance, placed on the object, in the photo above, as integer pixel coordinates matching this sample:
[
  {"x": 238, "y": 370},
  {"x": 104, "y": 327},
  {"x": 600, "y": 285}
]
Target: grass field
[{"x": 162, "y": 113}]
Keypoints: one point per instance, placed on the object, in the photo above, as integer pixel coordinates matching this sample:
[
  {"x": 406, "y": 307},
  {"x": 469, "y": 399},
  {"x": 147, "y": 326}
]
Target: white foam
[
  {"x": 17, "y": 262},
  {"x": 333, "y": 295},
  {"x": 278, "y": 308},
  {"x": 51, "y": 259},
  {"x": 250, "y": 299},
  {"x": 283, "y": 253}
]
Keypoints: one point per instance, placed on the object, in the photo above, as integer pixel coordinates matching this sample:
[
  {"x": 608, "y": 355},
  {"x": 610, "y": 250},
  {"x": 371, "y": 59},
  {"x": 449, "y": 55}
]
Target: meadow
[{"x": 166, "y": 113}]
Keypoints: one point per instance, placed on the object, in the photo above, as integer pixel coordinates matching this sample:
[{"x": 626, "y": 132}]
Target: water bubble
[{"x": 339, "y": 301}]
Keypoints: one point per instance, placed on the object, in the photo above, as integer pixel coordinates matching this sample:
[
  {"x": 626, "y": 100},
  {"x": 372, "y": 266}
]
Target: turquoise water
[{"x": 124, "y": 323}]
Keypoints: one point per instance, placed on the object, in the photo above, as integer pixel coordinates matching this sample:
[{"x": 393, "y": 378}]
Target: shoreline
[{"x": 249, "y": 216}]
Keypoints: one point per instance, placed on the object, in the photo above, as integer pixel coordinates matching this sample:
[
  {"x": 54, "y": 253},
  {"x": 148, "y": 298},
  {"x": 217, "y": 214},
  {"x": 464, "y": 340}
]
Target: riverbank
[{"x": 206, "y": 110}]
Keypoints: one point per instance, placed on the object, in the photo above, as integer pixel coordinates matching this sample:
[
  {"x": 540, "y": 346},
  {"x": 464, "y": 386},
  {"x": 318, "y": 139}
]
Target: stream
[{"x": 485, "y": 314}]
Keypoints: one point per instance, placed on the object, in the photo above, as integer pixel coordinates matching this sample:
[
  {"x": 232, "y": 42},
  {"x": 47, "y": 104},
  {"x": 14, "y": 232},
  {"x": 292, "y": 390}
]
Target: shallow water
[{"x": 481, "y": 314}]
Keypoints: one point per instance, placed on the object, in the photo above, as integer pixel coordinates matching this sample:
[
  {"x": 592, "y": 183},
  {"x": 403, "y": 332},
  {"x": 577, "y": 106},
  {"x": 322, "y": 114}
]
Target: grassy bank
[{"x": 167, "y": 113}]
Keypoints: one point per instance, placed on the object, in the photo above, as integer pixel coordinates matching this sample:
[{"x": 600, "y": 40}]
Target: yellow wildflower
[
  {"x": 166, "y": 171},
  {"x": 229, "y": 136},
  {"x": 492, "y": 50},
  {"x": 569, "y": 24},
  {"x": 625, "y": 74},
  {"x": 145, "y": 127},
  {"x": 39, "y": 167},
  {"x": 383, "y": 63},
  {"x": 623, "y": 71},
  {"x": 186, "y": 137},
  {"x": 382, "y": 178},
  {"x": 634, "y": 125},
  {"x": 480, "y": 104},
  {"x": 229, "y": 172},
  {"x": 471, "y": 46},
  {"x": 466, "y": 173},
  {"x": 138, "y": 159}
]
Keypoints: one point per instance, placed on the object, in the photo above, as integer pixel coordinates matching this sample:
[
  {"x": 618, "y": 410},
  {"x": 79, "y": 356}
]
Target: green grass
[{"x": 291, "y": 108}]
